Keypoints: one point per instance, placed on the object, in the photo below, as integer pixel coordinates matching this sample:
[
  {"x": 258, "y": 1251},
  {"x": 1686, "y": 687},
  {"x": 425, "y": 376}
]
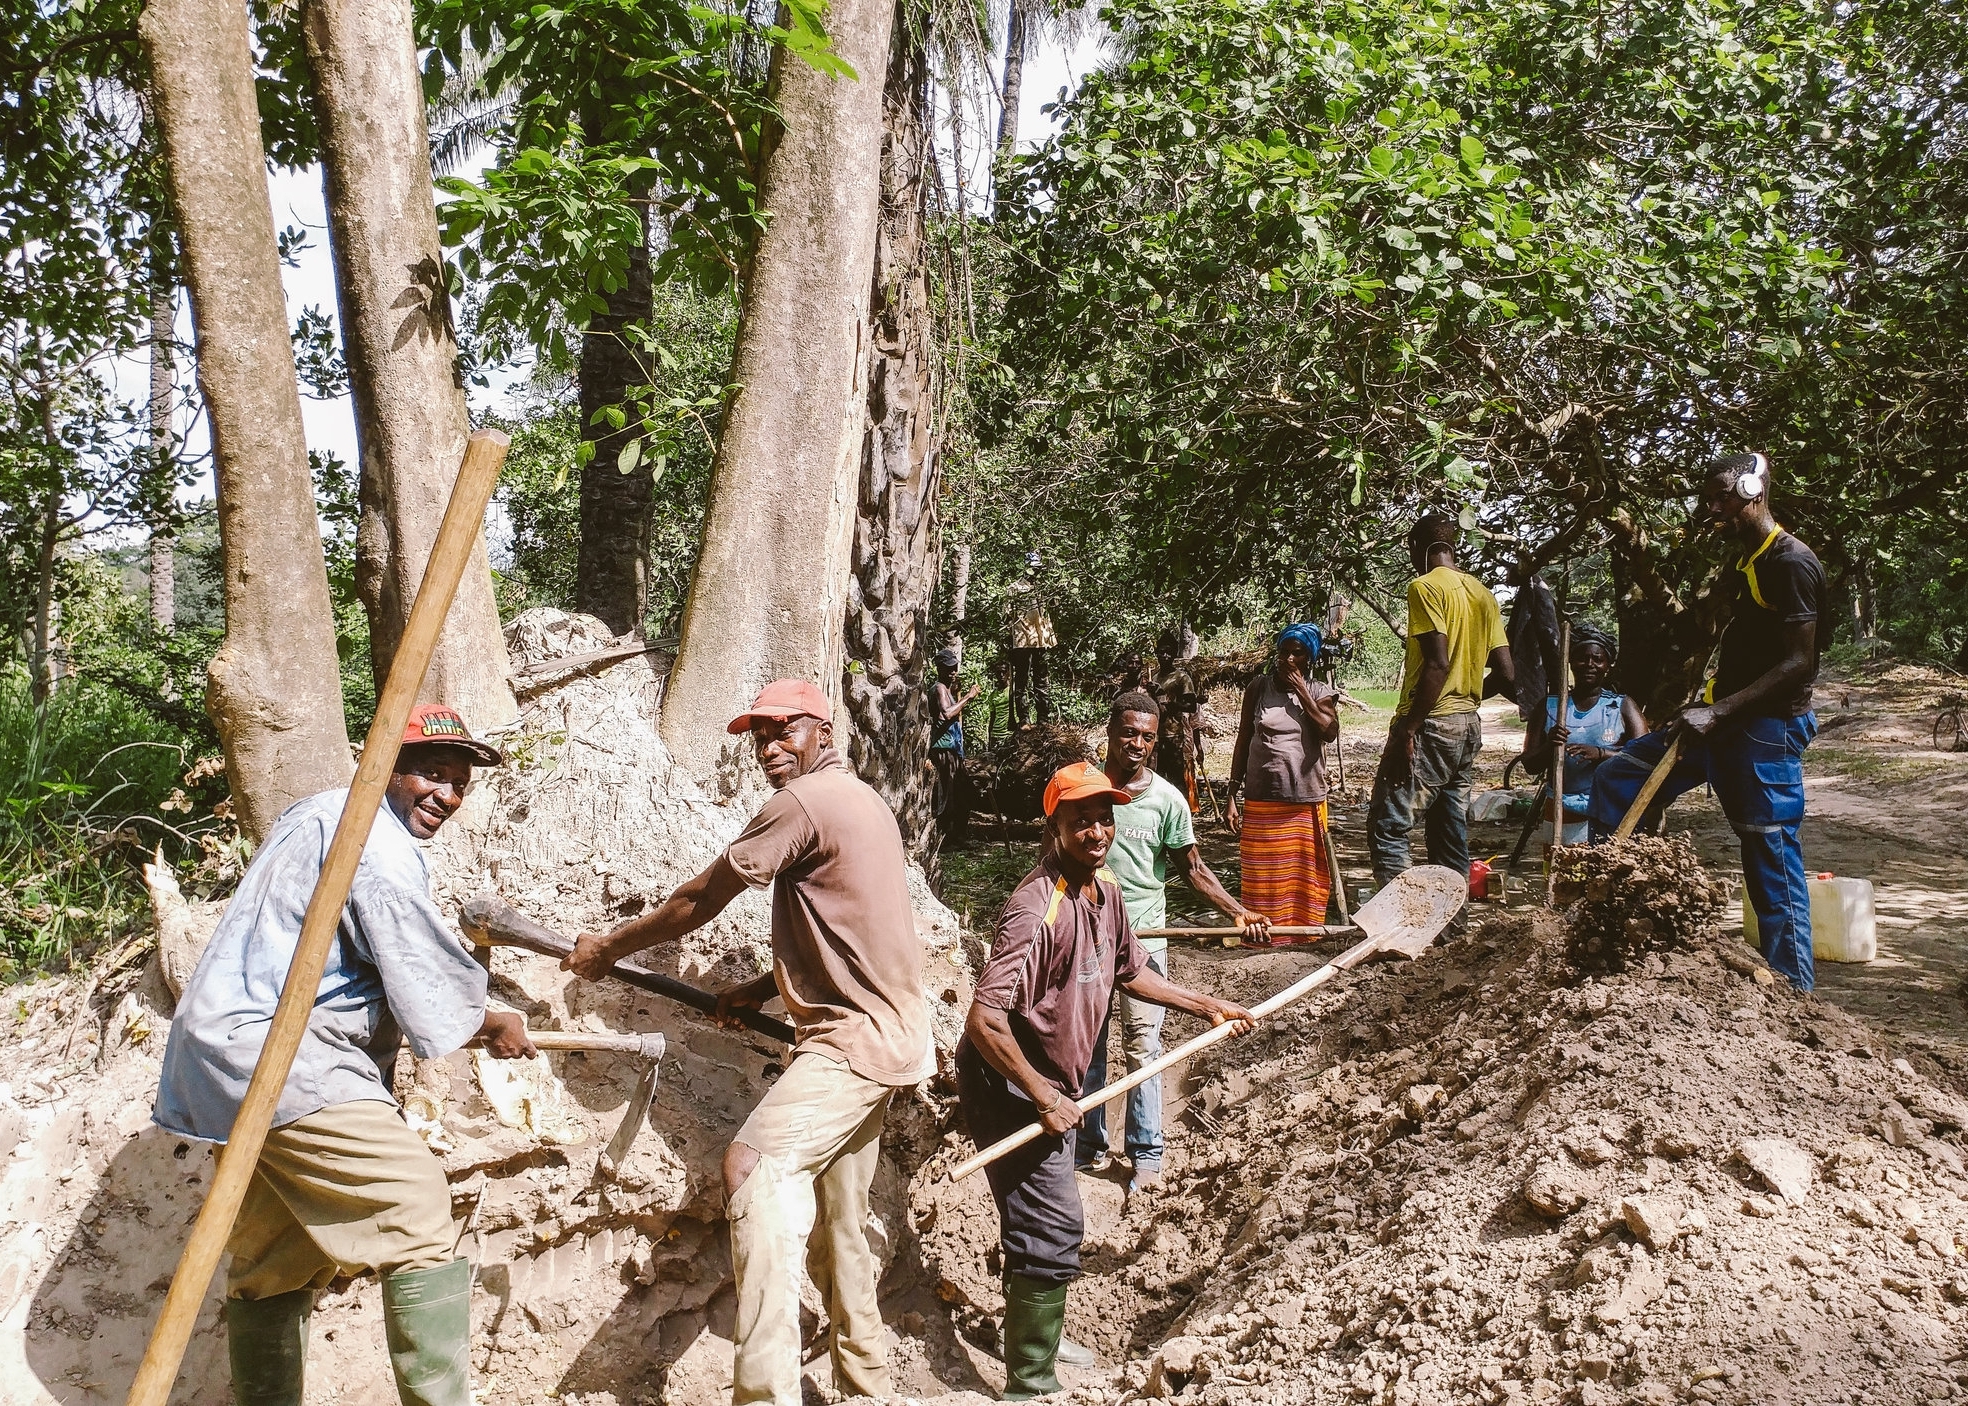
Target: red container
[{"x": 1479, "y": 880}]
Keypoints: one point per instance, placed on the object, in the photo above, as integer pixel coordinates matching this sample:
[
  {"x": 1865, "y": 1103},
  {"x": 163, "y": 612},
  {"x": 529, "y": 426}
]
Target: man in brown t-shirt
[
  {"x": 848, "y": 964},
  {"x": 1063, "y": 944}
]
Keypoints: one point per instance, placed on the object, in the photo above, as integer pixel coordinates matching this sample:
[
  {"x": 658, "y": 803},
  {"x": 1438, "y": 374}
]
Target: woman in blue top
[{"x": 1597, "y": 725}]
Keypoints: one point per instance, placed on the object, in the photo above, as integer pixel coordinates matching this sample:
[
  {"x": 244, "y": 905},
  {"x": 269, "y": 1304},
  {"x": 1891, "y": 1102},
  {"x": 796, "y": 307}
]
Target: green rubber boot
[
  {"x": 427, "y": 1319},
  {"x": 267, "y": 1340},
  {"x": 1035, "y": 1316}
]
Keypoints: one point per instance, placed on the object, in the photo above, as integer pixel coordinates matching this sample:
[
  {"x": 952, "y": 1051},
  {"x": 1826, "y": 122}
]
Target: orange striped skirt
[{"x": 1287, "y": 872}]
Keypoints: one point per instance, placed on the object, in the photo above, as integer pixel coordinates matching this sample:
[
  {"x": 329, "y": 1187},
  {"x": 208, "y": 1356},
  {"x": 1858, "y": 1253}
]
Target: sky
[{"x": 297, "y": 202}]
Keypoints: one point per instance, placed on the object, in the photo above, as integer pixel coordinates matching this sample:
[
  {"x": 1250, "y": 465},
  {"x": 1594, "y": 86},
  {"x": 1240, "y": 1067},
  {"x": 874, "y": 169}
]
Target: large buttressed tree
[
  {"x": 274, "y": 686},
  {"x": 1303, "y": 268},
  {"x": 885, "y": 708},
  {"x": 769, "y": 596},
  {"x": 400, "y": 343}
]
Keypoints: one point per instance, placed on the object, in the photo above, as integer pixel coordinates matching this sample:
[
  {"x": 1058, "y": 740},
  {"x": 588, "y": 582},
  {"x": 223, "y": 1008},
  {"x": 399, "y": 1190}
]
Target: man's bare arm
[
  {"x": 989, "y": 1030},
  {"x": 1151, "y": 986},
  {"x": 694, "y": 903},
  {"x": 1789, "y": 672}
]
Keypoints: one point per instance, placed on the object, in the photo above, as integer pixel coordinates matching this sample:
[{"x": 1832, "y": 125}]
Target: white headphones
[{"x": 1752, "y": 484}]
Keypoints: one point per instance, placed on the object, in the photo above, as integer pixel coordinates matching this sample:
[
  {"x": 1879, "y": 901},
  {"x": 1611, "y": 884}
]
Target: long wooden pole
[
  {"x": 1351, "y": 957},
  {"x": 485, "y": 452},
  {"x": 1558, "y": 761}
]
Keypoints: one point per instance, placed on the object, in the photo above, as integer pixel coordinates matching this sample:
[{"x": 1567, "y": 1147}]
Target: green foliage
[
  {"x": 84, "y": 786},
  {"x": 618, "y": 111},
  {"x": 1297, "y": 268},
  {"x": 336, "y": 495},
  {"x": 543, "y": 511},
  {"x": 687, "y": 346}
]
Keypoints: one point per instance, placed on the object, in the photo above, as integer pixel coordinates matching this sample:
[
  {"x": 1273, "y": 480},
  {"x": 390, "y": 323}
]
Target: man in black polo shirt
[{"x": 1747, "y": 736}]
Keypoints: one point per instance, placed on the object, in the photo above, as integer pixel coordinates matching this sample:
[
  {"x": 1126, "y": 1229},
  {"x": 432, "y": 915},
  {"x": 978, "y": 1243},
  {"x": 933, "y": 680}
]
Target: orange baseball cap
[
  {"x": 784, "y": 698},
  {"x": 433, "y": 724},
  {"x": 1077, "y": 782}
]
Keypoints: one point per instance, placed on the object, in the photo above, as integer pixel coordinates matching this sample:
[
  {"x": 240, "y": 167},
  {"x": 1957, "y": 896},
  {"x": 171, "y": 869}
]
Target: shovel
[
  {"x": 1233, "y": 937},
  {"x": 490, "y": 923},
  {"x": 1402, "y": 919}
]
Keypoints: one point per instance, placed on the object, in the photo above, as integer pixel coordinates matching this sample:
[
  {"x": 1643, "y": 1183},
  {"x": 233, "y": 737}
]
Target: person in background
[
  {"x": 1179, "y": 749},
  {"x": 343, "y": 1185},
  {"x": 946, "y": 745},
  {"x": 1597, "y": 725},
  {"x": 1031, "y": 637},
  {"x": 1278, "y": 785},
  {"x": 1063, "y": 944},
  {"x": 1429, "y": 764},
  {"x": 1152, "y": 834},
  {"x": 1747, "y": 739}
]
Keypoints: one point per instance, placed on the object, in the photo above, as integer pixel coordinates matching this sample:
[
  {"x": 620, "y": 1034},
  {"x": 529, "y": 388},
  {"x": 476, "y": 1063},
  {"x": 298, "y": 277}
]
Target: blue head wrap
[{"x": 1306, "y": 634}]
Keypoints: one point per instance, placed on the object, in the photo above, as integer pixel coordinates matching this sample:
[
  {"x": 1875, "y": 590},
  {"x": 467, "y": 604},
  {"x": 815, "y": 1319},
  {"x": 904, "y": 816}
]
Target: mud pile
[
  {"x": 1012, "y": 779},
  {"x": 1494, "y": 1176},
  {"x": 609, "y": 1284}
]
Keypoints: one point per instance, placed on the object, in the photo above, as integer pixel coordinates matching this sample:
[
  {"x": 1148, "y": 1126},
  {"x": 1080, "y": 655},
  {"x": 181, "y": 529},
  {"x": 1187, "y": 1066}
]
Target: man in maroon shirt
[{"x": 1063, "y": 944}]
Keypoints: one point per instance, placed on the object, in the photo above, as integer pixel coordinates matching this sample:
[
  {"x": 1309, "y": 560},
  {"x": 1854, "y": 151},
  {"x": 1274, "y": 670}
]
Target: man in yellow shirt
[{"x": 1454, "y": 632}]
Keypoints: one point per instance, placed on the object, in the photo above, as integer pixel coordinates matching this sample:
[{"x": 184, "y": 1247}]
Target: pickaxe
[
  {"x": 491, "y": 923},
  {"x": 648, "y": 1048}
]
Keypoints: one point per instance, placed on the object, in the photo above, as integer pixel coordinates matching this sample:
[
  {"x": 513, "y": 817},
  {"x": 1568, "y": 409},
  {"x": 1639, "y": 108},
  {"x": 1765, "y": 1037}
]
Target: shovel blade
[{"x": 1408, "y": 915}]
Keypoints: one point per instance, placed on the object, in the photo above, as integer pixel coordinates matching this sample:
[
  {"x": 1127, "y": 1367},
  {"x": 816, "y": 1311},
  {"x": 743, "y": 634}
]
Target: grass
[
  {"x": 1878, "y": 768},
  {"x": 83, "y": 785}
]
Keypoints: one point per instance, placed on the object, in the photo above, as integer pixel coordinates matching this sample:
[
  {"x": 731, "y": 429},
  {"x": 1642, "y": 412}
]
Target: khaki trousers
[
  {"x": 818, "y": 1137},
  {"x": 341, "y": 1191}
]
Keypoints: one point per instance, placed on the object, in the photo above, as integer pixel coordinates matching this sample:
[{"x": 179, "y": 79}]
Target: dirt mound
[
  {"x": 1013, "y": 778},
  {"x": 607, "y": 1284},
  {"x": 1489, "y": 1176},
  {"x": 1631, "y": 897}
]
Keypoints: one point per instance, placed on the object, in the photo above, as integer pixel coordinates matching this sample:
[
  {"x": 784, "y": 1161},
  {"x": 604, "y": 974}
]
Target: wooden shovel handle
[
  {"x": 1650, "y": 788},
  {"x": 1314, "y": 930},
  {"x": 464, "y": 515},
  {"x": 491, "y": 923},
  {"x": 1351, "y": 957}
]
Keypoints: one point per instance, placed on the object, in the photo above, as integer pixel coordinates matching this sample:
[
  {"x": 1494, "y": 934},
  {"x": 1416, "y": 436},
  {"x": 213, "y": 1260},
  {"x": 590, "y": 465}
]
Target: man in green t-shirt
[
  {"x": 1152, "y": 834},
  {"x": 1455, "y": 632}
]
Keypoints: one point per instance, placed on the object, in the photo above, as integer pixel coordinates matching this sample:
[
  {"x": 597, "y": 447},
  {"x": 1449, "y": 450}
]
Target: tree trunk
[
  {"x": 1016, "y": 30},
  {"x": 274, "y": 688},
  {"x": 769, "y": 594},
  {"x": 42, "y": 682},
  {"x": 896, "y": 557},
  {"x": 163, "y": 564},
  {"x": 397, "y": 335},
  {"x": 612, "y": 574}
]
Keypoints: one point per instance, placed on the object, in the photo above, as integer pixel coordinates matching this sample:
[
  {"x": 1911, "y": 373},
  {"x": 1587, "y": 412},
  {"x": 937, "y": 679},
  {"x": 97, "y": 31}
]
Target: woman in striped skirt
[{"x": 1278, "y": 785}]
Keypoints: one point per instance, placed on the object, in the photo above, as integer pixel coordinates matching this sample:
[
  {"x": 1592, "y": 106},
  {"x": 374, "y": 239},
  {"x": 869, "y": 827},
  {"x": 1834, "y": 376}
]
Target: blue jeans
[
  {"x": 1141, "y": 1027},
  {"x": 1437, "y": 789},
  {"x": 1756, "y": 766}
]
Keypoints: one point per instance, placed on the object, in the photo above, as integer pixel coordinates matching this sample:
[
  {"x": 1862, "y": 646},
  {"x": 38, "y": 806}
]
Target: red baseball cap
[
  {"x": 784, "y": 698},
  {"x": 1078, "y": 781},
  {"x": 433, "y": 724}
]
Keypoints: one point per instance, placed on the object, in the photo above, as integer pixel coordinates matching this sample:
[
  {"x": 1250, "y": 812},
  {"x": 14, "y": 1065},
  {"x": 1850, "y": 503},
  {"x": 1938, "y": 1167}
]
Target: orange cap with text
[{"x": 433, "y": 724}]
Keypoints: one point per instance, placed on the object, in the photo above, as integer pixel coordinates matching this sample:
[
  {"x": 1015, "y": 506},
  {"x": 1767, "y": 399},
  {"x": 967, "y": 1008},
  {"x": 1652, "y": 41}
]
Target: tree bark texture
[
  {"x": 397, "y": 335},
  {"x": 612, "y": 574},
  {"x": 163, "y": 380},
  {"x": 769, "y": 594},
  {"x": 1017, "y": 30},
  {"x": 896, "y": 548},
  {"x": 274, "y": 689}
]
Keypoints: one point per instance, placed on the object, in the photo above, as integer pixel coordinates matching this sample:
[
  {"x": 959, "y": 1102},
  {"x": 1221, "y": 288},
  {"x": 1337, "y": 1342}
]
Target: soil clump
[{"x": 1497, "y": 1175}]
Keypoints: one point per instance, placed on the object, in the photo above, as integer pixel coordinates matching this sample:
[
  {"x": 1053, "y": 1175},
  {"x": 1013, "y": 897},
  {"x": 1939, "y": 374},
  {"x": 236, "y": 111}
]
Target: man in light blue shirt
[
  {"x": 342, "y": 1185},
  {"x": 1152, "y": 833}
]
